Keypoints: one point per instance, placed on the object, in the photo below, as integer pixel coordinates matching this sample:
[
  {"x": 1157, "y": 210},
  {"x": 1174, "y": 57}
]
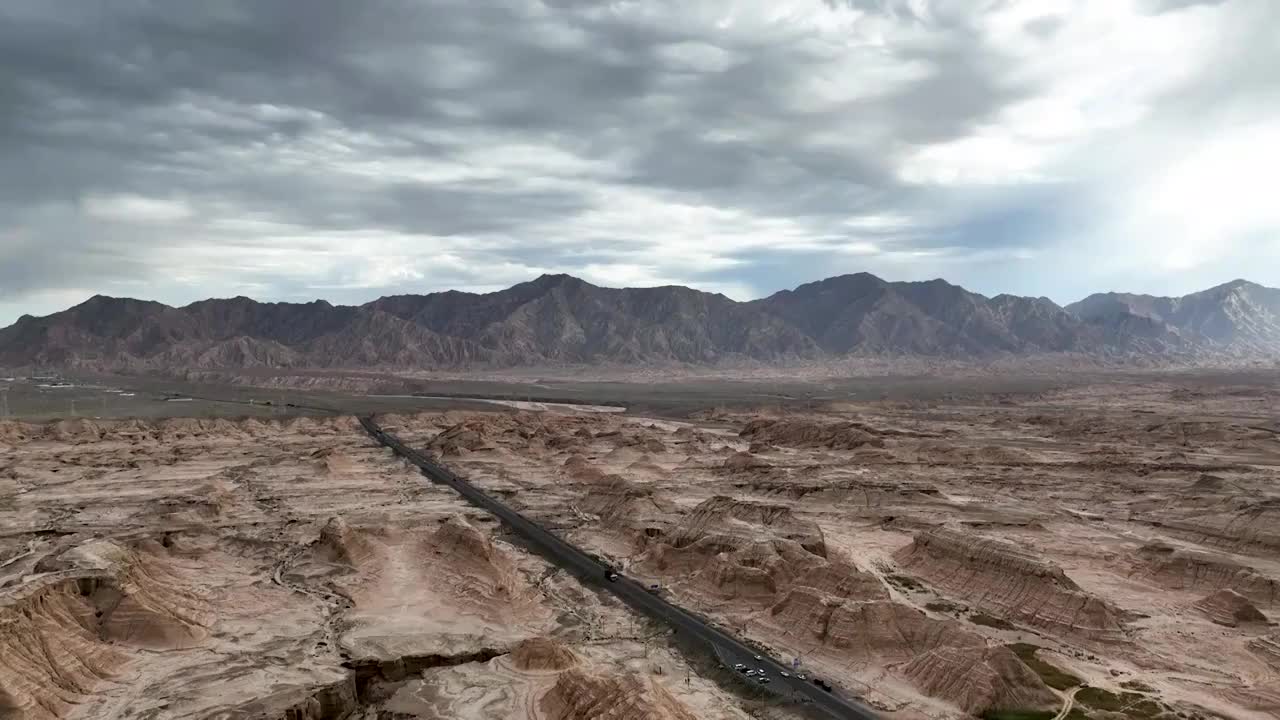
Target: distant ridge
[{"x": 560, "y": 319}]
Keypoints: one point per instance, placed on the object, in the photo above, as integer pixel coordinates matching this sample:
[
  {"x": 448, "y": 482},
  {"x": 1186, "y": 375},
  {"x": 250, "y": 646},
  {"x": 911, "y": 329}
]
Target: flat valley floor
[{"x": 1091, "y": 550}]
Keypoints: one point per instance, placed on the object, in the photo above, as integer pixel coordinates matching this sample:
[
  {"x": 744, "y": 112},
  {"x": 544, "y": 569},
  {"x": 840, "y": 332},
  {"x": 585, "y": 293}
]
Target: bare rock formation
[
  {"x": 578, "y": 468},
  {"x": 801, "y": 433},
  {"x": 469, "y": 436},
  {"x": 941, "y": 657},
  {"x": 879, "y": 631},
  {"x": 979, "y": 679},
  {"x": 1252, "y": 528},
  {"x": 578, "y": 695},
  {"x": 839, "y": 579},
  {"x": 741, "y": 522},
  {"x": 542, "y": 653},
  {"x": 340, "y": 543},
  {"x": 447, "y": 590},
  {"x": 756, "y": 569},
  {"x": 744, "y": 462},
  {"x": 51, "y": 654},
  {"x": 937, "y": 452},
  {"x": 1267, "y": 648},
  {"x": 1230, "y": 608},
  {"x": 1009, "y": 582},
  {"x": 873, "y": 494},
  {"x": 626, "y": 504},
  {"x": 338, "y": 699},
  {"x": 1179, "y": 569},
  {"x": 137, "y": 597}
]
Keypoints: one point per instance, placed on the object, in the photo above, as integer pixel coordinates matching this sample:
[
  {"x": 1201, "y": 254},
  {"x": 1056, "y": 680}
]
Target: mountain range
[{"x": 562, "y": 320}]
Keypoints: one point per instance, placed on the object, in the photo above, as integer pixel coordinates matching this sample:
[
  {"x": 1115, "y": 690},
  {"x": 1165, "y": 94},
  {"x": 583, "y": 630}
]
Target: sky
[{"x": 290, "y": 150}]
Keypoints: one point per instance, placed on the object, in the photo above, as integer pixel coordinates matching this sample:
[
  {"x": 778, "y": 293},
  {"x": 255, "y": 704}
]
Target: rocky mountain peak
[{"x": 558, "y": 318}]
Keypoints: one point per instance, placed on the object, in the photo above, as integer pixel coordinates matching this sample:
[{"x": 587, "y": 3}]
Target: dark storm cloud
[
  {"x": 1160, "y": 6},
  {"x": 514, "y": 136}
]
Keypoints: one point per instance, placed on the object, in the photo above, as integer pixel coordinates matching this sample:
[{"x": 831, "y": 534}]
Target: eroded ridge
[{"x": 1010, "y": 582}]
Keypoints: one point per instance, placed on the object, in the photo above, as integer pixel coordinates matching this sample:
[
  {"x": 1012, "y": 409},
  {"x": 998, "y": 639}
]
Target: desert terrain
[{"x": 1094, "y": 550}]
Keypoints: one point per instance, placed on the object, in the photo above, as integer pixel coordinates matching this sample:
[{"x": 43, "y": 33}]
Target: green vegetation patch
[
  {"x": 1128, "y": 704},
  {"x": 906, "y": 582},
  {"x": 1051, "y": 675},
  {"x": 1137, "y": 685},
  {"x": 1018, "y": 715},
  {"x": 991, "y": 621}
]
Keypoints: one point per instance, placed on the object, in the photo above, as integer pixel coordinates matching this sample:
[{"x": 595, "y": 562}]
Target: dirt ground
[{"x": 979, "y": 555}]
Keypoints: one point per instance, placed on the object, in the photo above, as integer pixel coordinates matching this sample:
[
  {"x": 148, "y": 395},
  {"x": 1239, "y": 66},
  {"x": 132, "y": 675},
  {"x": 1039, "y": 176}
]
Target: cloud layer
[{"x": 289, "y": 150}]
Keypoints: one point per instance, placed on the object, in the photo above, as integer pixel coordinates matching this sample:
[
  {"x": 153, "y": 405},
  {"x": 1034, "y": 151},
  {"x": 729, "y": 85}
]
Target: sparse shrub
[
  {"x": 1051, "y": 675},
  {"x": 990, "y": 621}
]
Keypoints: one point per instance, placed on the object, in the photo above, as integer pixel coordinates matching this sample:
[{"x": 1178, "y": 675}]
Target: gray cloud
[
  {"x": 351, "y": 149},
  {"x": 1161, "y": 6}
]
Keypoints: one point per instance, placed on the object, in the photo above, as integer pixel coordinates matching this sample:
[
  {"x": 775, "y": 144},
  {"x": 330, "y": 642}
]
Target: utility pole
[{"x": 4, "y": 404}]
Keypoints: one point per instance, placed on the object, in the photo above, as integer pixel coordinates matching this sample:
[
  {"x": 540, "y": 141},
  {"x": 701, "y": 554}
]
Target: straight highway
[{"x": 728, "y": 649}]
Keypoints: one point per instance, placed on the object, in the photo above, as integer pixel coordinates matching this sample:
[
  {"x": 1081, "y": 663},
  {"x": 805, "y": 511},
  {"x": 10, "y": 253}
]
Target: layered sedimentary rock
[
  {"x": 877, "y": 631},
  {"x": 801, "y": 433},
  {"x": 940, "y": 657},
  {"x": 543, "y": 653},
  {"x": 1008, "y": 582},
  {"x": 447, "y": 590},
  {"x": 71, "y": 628},
  {"x": 617, "y": 500},
  {"x": 1267, "y": 648},
  {"x": 740, "y": 522},
  {"x": 338, "y": 699},
  {"x": 578, "y": 695},
  {"x": 51, "y": 653},
  {"x": 1230, "y": 608},
  {"x": 1192, "y": 570},
  {"x": 1252, "y": 528},
  {"x": 979, "y": 679}
]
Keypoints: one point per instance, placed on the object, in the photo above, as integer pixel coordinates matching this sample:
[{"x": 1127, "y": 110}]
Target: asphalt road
[{"x": 727, "y": 648}]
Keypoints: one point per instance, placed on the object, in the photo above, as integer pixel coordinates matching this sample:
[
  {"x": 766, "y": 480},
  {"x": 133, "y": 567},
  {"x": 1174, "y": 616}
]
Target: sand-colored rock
[
  {"x": 947, "y": 453},
  {"x": 803, "y": 433},
  {"x": 1267, "y": 648},
  {"x": 443, "y": 590},
  {"x": 138, "y": 599},
  {"x": 1253, "y": 528},
  {"x": 623, "y": 503},
  {"x": 51, "y": 654},
  {"x": 1230, "y": 608},
  {"x": 542, "y": 653},
  {"x": 979, "y": 679},
  {"x": 1009, "y": 582},
  {"x": 337, "y": 699},
  {"x": 578, "y": 695},
  {"x": 1180, "y": 569},
  {"x": 742, "y": 522},
  {"x": 239, "y": 509},
  {"x": 744, "y": 461},
  {"x": 878, "y": 631}
]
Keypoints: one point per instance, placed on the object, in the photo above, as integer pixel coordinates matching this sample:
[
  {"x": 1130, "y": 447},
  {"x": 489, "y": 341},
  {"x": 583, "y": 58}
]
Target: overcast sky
[{"x": 287, "y": 150}]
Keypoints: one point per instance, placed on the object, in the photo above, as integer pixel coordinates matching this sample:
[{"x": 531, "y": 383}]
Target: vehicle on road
[
  {"x": 785, "y": 674},
  {"x": 631, "y": 592}
]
